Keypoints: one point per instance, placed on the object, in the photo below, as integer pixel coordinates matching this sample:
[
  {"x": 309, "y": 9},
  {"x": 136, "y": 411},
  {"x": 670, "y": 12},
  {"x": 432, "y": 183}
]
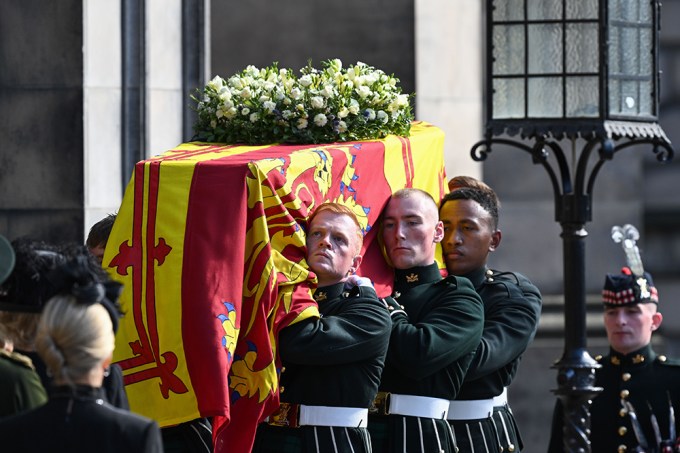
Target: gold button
[
  {"x": 622, "y": 448},
  {"x": 283, "y": 369},
  {"x": 623, "y": 412},
  {"x": 622, "y": 431},
  {"x": 626, "y": 377},
  {"x": 662, "y": 358},
  {"x": 282, "y": 389},
  {"x": 511, "y": 447},
  {"x": 624, "y": 394}
]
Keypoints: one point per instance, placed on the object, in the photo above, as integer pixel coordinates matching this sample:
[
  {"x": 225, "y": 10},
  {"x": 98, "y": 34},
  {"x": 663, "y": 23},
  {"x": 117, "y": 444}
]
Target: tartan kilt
[
  {"x": 401, "y": 433},
  {"x": 311, "y": 439}
]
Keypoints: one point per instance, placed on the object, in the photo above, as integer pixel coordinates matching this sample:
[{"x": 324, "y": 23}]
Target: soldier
[
  {"x": 331, "y": 365},
  {"x": 436, "y": 326},
  {"x": 480, "y": 416},
  {"x": 635, "y": 411}
]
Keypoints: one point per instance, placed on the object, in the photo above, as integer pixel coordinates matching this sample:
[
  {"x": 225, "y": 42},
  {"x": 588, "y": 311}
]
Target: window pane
[
  {"x": 508, "y": 49},
  {"x": 508, "y": 98},
  {"x": 646, "y": 57},
  {"x": 544, "y": 9},
  {"x": 582, "y": 9},
  {"x": 504, "y": 10},
  {"x": 582, "y": 48},
  {"x": 614, "y": 97},
  {"x": 582, "y": 97},
  {"x": 545, "y": 97},
  {"x": 646, "y": 99},
  {"x": 630, "y": 51},
  {"x": 545, "y": 48}
]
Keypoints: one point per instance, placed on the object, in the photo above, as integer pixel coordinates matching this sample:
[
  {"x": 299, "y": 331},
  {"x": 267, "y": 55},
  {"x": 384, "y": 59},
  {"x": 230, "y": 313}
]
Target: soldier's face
[
  {"x": 332, "y": 247},
  {"x": 411, "y": 231},
  {"x": 469, "y": 236},
  {"x": 630, "y": 328}
]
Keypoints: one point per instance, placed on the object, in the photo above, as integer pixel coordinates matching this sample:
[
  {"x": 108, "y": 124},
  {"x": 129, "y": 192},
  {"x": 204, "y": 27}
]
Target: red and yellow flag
[{"x": 210, "y": 244}]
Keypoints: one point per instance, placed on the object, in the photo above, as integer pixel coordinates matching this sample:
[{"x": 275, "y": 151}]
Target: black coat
[{"x": 78, "y": 420}]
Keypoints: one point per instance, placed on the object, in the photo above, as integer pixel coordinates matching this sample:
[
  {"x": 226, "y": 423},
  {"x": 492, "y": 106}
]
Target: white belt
[
  {"x": 351, "y": 417},
  {"x": 502, "y": 399},
  {"x": 418, "y": 406},
  {"x": 470, "y": 409}
]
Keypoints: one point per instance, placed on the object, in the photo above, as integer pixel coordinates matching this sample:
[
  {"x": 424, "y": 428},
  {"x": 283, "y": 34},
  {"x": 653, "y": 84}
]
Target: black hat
[
  {"x": 7, "y": 258},
  {"x": 626, "y": 289}
]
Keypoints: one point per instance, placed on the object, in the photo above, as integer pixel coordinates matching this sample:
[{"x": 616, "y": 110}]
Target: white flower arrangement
[{"x": 272, "y": 105}]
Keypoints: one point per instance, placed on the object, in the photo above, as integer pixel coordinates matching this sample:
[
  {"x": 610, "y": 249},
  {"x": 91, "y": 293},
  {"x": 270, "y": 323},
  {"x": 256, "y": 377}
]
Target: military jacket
[
  {"x": 336, "y": 360},
  {"x": 436, "y": 326},
  {"x": 20, "y": 387},
  {"x": 512, "y": 308},
  {"x": 434, "y": 340},
  {"x": 646, "y": 381}
]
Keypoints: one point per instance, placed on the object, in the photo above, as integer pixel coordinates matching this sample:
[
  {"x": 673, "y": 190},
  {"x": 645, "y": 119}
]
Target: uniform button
[
  {"x": 622, "y": 448},
  {"x": 282, "y": 389},
  {"x": 662, "y": 358},
  {"x": 622, "y": 431},
  {"x": 490, "y": 279},
  {"x": 511, "y": 447},
  {"x": 626, "y": 377},
  {"x": 623, "y": 412},
  {"x": 624, "y": 394},
  {"x": 283, "y": 369}
]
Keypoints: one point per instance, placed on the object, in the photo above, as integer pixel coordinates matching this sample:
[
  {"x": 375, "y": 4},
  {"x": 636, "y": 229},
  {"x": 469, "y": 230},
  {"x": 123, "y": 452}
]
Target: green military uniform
[
  {"x": 512, "y": 307},
  {"x": 334, "y": 361},
  {"x": 639, "y": 387},
  {"x": 20, "y": 387},
  {"x": 433, "y": 341},
  {"x": 642, "y": 378}
]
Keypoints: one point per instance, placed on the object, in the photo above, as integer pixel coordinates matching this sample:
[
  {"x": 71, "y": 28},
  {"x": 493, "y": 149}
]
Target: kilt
[
  {"x": 311, "y": 439},
  {"x": 506, "y": 426},
  {"x": 476, "y": 436},
  {"x": 402, "y": 433}
]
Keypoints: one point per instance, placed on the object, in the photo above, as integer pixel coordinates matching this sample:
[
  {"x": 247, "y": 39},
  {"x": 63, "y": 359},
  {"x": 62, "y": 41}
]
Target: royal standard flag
[{"x": 209, "y": 243}]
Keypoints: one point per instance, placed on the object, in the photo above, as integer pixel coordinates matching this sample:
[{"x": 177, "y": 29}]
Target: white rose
[
  {"x": 301, "y": 123},
  {"x": 286, "y": 114},
  {"x": 213, "y": 124},
  {"x": 296, "y": 93},
  {"x": 353, "y": 106},
  {"x": 268, "y": 86},
  {"x": 231, "y": 113},
  {"x": 219, "y": 113},
  {"x": 236, "y": 82},
  {"x": 305, "y": 80},
  {"x": 254, "y": 117},
  {"x": 382, "y": 116},
  {"x": 317, "y": 102},
  {"x": 246, "y": 93},
  {"x": 320, "y": 120},
  {"x": 327, "y": 91},
  {"x": 342, "y": 127},
  {"x": 269, "y": 106},
  {"x": 343, "y": 112},
  {"x": 363, "y": 91}
]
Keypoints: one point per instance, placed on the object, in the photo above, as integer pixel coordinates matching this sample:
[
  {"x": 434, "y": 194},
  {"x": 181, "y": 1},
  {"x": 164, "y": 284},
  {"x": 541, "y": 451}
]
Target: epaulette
[
  {"x": 665, "y": 361},
  {"x": 448, "y": 280}
]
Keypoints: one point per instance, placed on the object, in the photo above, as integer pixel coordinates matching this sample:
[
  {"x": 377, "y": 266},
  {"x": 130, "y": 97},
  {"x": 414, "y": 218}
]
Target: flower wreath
[{"x": 272, "y": 105}]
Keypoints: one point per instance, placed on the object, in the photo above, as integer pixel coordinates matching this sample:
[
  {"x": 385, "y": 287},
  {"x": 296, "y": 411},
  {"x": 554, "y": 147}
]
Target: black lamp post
[{"x": 584, "y": 72}]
